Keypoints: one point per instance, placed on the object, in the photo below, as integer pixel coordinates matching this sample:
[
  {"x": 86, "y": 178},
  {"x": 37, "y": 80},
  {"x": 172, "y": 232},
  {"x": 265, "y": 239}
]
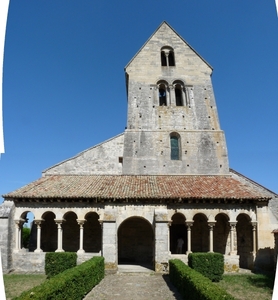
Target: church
[{"x": 161, "y": 189}]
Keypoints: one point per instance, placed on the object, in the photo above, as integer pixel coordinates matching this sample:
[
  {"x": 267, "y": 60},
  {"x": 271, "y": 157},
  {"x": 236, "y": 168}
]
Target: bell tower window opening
[
  {"x": 162, "y": 97},
  {"x": 175, "y": 146},
  {"x": 171, "y": 59},
  {"x": 163, "y": 94},
  {"x": 178, "y": 95},
  {"x": 167, "y": 57},
  {"x": 163, "y": 59}
]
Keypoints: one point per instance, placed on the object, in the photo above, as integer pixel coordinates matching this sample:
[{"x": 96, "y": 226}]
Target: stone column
[
  {"x": 60, "y": 236},
  {"x": 211, "y": 225},
  {"x": 18, "y": 226},
  {"x": 188, "y": 225},
  {"x": 81, "y": 223},
  {"x": 38, "y": 223},
  {"x": 169, "y": 225},
  {"x": 254, "y": 229},
  {"x": 232, "y": 235}
]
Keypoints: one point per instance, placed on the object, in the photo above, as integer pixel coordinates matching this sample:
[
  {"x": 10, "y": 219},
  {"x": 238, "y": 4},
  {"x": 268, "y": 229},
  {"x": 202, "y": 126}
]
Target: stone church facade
[{"x": 167, "y": 177}]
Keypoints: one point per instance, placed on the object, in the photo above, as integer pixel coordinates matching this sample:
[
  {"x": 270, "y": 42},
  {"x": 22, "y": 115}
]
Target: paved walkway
[{"x": 134, "y": 284}]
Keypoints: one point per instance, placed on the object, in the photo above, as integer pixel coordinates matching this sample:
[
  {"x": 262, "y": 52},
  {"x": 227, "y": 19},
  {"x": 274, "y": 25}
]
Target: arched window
[
  {"x": 179, "y": 93},
  {"x": 162, "y": 92},
  {"x": 167, "y": 57},
  {"x": 175, "y": 146}
]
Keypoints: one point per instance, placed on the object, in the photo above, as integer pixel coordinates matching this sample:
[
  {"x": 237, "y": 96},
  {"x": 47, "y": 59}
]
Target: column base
[
  {"x": 80, "y": 251},
  {"x": 38, "y": 251},
  {"x": 60, "y": 250}
]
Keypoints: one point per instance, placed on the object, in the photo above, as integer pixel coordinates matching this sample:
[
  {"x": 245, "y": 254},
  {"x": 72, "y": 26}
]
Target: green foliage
[
  {"x": 210, "y": 265},
  {"x": 58, "y": 262},
  {"x": 194, "y": 286},
  {"x": 72, "y": 284},
  {"x": 26, "y": 232}
]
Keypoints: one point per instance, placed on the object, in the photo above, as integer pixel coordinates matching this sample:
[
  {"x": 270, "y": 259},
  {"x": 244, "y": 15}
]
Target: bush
[
  {"x": 58, "y": 262},
  {"x": 193, "y": 285},
  {"x": 26, "y": 232},
  {"x": 210, "y": 265},
  {"x": 72, "y": 284}
]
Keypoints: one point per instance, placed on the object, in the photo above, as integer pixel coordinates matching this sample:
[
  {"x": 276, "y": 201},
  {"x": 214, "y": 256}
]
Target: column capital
[
  {"x": 38, "y": 221},
  {"x": 211, "y": 224},
  {"x": 233, "y": 224},
  {"x": 254, "y": 224},
  {"x": 59, "y": 221},
  {"x": 81, "y": 222},
  {"x": 19, "y": 222},
  {"x": 189, "y": 223}
]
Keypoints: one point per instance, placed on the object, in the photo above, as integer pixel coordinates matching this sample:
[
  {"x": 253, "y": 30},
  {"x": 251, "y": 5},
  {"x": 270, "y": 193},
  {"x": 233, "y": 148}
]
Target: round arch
[
  {"x": 221, "y": 233},
  {"x": 49, "y": 232},
  {"x": 92, "y": 233},
  {"x": 177, "y": 232},
  {"x": 70, "y": 232},
  {"x": 200, "y": 233},
  {"x": 135, "y": 241},
  {"x": 244, "y": 241}
]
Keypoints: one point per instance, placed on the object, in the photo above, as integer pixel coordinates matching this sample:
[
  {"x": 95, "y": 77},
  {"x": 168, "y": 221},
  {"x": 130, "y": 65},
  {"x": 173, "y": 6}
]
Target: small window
[
  {"x": 162, "y": 97},
  {"x": 163, "y": 59},
  {"x": 163, "y": 94},
  {"x": 178, "y": 94},
  {"x": 167, "y": 57},
  {"x": 175, "y": 146}
]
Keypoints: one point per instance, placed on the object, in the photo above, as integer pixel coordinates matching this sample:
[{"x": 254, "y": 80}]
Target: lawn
[
  {"x": 15, "y": 284},
  {"x": 248, "y": 286},
  {"x": 242, "y": 287}
]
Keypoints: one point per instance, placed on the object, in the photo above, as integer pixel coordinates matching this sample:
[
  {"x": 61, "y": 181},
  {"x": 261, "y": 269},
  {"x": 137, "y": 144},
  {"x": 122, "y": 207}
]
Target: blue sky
[{"x": 64, "y": 86}]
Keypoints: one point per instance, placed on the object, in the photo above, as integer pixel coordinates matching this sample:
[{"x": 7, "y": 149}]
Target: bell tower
[{"x": 172, "y": 124}]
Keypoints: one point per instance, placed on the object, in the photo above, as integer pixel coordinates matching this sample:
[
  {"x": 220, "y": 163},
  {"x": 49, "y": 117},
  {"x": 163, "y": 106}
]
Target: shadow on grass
[{"x": 262, "y": 281}]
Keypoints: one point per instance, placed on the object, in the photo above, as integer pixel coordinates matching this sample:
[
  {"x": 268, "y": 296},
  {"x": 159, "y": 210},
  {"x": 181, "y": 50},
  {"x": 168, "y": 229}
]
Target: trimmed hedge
[
  {"x": 210, "y": 265},
  {"x": 194, "y": 286},
  {"x": 72, "y": 284},
  {"x": 58, "y": 262}
]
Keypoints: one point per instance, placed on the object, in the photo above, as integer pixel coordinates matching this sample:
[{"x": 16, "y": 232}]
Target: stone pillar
[
  {"x": 38, "y": 223},
  {"x": 81, "y": 223},
  {"x": 18, "y": 226},
  {"x": 162, "y": 252},
  {"x": 60, "y": 235},
  {"x": 109, "y": 244},
  {"x": 211, "y": 225},
  {"x": 232, "y": 235},
  {"x": 188, "y": 225},
  {"x": 254, "y": 229}
]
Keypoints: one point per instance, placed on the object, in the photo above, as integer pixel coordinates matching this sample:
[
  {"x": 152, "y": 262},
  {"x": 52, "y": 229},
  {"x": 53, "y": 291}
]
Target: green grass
[
  {"x": 248, "y": 286},
  {"x": 15, "y": 284}
]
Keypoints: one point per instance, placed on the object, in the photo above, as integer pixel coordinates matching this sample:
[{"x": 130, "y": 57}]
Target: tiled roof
[{"x": 136, "y": 187}]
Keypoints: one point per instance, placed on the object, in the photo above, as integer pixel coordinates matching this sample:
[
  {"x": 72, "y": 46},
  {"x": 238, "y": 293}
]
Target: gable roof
[
  {"x": 117, "y": 187},
  {"x": 164, "y": 22}
]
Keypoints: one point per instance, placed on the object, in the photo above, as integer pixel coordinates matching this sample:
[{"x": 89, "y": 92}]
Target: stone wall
[
  {"x": 104, "y": 158},
  {"x": 6, "y": 211}
]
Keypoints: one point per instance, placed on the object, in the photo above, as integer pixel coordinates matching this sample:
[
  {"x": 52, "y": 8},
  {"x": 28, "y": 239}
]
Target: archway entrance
[{"x": 135, "y": 242}]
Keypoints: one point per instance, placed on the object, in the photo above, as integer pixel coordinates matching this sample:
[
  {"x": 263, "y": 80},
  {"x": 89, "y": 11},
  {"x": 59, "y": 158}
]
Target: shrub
[
  {"x": 210, "y": 265},
  {"x": 72, "y": 284},
  {"x": 193, "y": 285},
  {"x": 26, "y": 232},
  {"x": 58, "y": 262}
]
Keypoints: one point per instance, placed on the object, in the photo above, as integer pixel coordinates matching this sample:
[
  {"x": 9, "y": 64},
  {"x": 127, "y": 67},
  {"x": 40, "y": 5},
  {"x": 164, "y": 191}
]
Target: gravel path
[{"x": 134, "y": 286}]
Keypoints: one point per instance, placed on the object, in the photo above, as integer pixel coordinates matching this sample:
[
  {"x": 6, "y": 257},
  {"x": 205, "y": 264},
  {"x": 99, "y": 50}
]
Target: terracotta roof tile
[{"x": 137, "y": 187}]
